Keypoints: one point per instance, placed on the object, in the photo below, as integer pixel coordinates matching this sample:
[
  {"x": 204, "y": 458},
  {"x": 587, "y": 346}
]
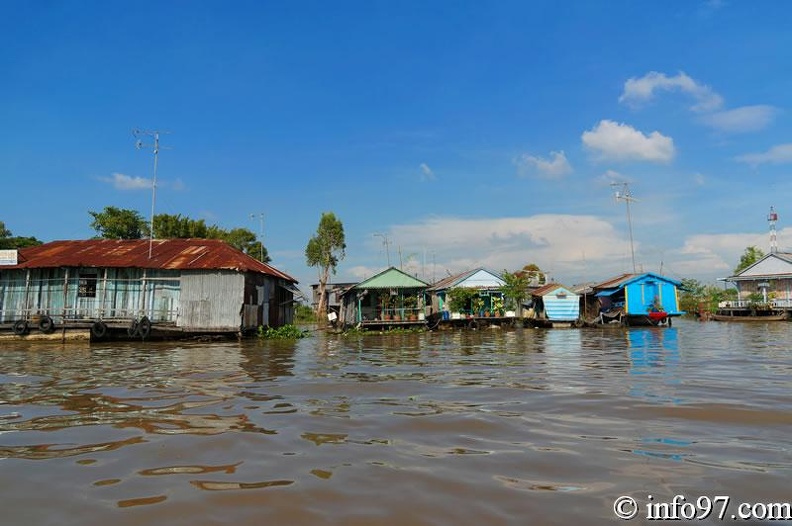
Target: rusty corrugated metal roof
[
  {"x": 167, "y": 254},
  {"x": 544, "y": 289},
  {"x": 614, "y": 282}
]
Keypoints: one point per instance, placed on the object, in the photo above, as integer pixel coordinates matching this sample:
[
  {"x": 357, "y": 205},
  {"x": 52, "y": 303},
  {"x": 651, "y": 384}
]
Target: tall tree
[
  {"x": 242, "y": 239},
  {"x": 750, "y": 256},
  {"x": 533, "y": 274},
  {"x": 119, "y": 223},
  {"x": 515, "y": 289},
  {"x": 324, "y": 251},
  {"x": 169, "y": 226},
  {"x": 9, "y": 241}
]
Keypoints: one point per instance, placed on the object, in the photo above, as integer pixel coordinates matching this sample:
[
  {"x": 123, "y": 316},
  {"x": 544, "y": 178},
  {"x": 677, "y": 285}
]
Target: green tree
[
  {"x": 119, "y": 223},
  {"x": 460, "y": 299},
  {"x": 325, "y": 250},
  {"x": 533, "y": 274},
  {"x": 9, "y": 241},
  {"x": 750, "y": 256},
  {"x": 241, "y": 239},
  {"x": 691, "y": 294},
  {"x": 168, "y": 226},
  {"x": 515, "y": 289}
]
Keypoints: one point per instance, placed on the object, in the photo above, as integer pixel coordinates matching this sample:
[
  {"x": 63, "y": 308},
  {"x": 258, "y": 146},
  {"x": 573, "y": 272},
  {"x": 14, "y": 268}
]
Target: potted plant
[
  {"x": 410, "y": 304},
  {"x": 459, "y": 299},
  {"x": 477, "y": 304},
  {"x": 497, "y": 305},
  {"x": 385, "y": 305}
]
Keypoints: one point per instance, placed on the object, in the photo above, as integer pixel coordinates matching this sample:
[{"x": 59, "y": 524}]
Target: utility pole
[
  {"x": 139, "y": 144},
  {"x": 261, "y": 234},
  {"x": 625, "y": 195}
]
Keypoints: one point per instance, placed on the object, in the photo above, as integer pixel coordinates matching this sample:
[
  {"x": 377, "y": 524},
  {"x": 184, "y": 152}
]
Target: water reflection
[{"x": 467, "y": 426}]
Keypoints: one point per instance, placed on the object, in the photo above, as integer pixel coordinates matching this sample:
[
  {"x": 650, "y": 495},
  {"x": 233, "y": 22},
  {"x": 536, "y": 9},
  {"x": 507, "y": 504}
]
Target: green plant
[
  {"x": 497, "y": 304},
  {"x": 477, "y": 305},
  {"x": 304, "y": 314},
  {"x": 460, "y": 298},
  {"x": 514, "y": 289},
  {"x": 386, "y": 302},
  {"x": 286, "y": 332}
]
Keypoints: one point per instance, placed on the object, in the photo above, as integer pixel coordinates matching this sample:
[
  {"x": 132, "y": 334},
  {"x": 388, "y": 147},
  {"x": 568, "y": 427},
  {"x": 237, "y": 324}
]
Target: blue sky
[{"x": 464, "y": 134}]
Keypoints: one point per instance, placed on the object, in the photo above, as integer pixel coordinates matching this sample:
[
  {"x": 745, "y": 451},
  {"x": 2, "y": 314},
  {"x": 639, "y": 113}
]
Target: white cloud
[
  {"x": 638, "y": 91},
  {"x": 612, "y": 176},
  {"x": 621, "y": 142},
  {"x": 561, "y": 244},
  {"x": 426, "y": 173},
  {"x": 555, "y": 167},
  {"x": 741, "y": 120},
  {"x": 126, "y": 182},
  {"x": 779, "y": 154},
  {"x": 641, "y": 90}
]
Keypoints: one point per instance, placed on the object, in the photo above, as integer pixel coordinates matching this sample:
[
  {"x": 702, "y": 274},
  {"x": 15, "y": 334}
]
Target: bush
[
  {"x": 287, "y": 332},
  {"x": 304, "y": 314}
]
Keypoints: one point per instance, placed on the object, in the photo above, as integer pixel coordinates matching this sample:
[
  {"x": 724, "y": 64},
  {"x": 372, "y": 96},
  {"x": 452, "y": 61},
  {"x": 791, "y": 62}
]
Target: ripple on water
[{"x": 467, "y": 427}]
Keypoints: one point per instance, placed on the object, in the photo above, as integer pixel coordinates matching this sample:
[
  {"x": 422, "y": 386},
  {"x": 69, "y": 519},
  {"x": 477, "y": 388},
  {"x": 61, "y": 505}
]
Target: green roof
[{"x": 392, "y": 278}]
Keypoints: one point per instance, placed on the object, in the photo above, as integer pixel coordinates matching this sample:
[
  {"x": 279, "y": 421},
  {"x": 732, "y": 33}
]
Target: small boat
[{"x": 775, "y": 316}]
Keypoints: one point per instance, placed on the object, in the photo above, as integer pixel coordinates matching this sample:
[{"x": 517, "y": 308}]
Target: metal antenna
[
  {"x": 772, "y": 218},
  {"x": 625, "y": 195},
  {"x": 156, "y": 147},
  {"x": 261, "y": 234},
  {"x": 386, "y": 242}
]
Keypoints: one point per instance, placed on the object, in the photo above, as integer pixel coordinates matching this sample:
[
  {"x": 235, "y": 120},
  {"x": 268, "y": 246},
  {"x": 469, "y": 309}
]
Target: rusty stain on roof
[
  {"x": 614, "y": 282},
  {"x": 546, "y": 289},
  {"x": 166, "y": 254}
]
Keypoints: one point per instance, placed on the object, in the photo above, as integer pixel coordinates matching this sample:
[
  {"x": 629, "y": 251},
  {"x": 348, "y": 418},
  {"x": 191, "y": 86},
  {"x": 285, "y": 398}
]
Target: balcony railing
[{"x": 745, "y": 304}]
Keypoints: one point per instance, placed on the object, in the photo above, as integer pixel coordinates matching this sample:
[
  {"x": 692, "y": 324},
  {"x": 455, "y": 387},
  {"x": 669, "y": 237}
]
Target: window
[{"x": 86, "y": 286}]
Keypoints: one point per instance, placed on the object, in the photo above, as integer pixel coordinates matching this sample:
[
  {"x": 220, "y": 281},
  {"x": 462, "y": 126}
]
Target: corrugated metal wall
[
  {"x": 565, "y": 308},
  {"x": 89, "y": 293},
  {"x": 211, "y": 300},
  {"x": 193, "y": 300}
]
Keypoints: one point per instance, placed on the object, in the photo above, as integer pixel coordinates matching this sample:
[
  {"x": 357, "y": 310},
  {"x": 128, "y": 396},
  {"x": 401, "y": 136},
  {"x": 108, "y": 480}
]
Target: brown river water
[{"x": 523, "y": 426}]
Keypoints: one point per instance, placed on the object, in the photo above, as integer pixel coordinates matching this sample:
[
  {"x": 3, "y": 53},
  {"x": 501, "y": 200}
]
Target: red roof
[
  {"x": 545, "y": 289},
  {"x": 168, "y": 254}
]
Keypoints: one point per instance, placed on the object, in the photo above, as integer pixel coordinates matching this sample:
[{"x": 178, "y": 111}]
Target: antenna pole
[
  {"x": 772, "y": 217},
  {"x": 261, "y": 235},
  {"x": 156, "y": 147},
  {"x": 626, "y": 196},
  {"x": 385, "y": 242}
]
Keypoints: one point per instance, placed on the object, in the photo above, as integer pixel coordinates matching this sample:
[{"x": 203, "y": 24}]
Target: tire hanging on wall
[
  {"x": 99, "y": 329},
  {"x": 20, "y": 327},
  {"x": 133, "y": 328},
  {"x": 46, "y": 325},
  {"x": 144, "y": 327}
]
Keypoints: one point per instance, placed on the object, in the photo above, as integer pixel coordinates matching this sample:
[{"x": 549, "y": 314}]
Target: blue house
[
  {"x": 554, "y": 303},
  {"x": 485, "y": 282},
  {"x": 638, "y": 299}
]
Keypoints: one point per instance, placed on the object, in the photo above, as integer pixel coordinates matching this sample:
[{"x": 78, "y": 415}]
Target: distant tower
[{"x": 772, "y": 217}]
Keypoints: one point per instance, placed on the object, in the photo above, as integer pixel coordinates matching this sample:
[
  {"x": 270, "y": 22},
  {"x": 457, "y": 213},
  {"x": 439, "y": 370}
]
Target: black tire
[
  {"x": 46, "y": 325},
  {"x": 99, "y": 329},
  {"x": 144, "y": 327},
  {"x": 20, "y": 327},
  {"x": 133, "y": 328}
]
